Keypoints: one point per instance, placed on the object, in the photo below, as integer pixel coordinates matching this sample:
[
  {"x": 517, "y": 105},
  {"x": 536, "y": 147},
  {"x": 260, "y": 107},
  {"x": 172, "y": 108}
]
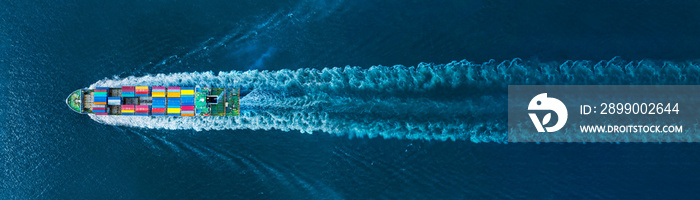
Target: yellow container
[
  {"x": 187, "y": 92},
  {"x": 127, "y": 111},
  {"x": 158, "y": 94},
  {"x": 173, "y": 94},
  {"x": 173, "y": 110}
]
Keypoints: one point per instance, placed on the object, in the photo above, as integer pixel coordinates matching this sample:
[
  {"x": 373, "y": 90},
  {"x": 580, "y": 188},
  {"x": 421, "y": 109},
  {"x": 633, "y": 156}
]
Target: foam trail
[
  {"x": 427, "y": 76},
  {"x": 322, "y": 122},
  {"x": 357, "y": 117},
  {"x": 460, "y": 100}
]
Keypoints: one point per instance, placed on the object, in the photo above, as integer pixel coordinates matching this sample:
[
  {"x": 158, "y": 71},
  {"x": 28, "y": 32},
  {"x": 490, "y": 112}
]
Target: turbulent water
[
  {"x": 457, "y": 101},
  {"x": 418, "y": 111}
]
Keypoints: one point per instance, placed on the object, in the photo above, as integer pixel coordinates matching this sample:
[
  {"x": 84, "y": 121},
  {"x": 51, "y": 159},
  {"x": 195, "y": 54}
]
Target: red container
[
  {"x": 127, "y": 107},
  {"x": 158, "y": 110},
  {"x": 187, "y": 108},
  {"x": 99, "y": 108},
  {"x": 128, "y": 88},
  {"x": 142, "y": 109},
  {"x": 100, "y": 113},
  {"x": 141, "y": 91}
]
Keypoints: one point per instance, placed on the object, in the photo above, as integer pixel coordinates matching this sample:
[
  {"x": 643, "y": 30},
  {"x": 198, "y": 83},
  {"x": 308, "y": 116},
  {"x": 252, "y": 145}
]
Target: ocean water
[{"x": 350, "y": 99}]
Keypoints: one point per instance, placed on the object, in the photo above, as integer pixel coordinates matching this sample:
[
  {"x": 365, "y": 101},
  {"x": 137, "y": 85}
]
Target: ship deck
[{"x": 207, "y": 101}]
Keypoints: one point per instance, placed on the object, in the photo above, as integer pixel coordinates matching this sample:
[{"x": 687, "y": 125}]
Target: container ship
[{"x": 156, "y": 101}]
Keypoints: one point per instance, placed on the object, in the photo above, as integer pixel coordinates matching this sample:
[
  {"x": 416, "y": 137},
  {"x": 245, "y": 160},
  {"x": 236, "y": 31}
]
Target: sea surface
[{"x": 350, "y": 99}]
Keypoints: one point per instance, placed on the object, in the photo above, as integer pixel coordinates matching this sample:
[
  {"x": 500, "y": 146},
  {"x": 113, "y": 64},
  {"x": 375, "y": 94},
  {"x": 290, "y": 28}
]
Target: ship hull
[{"x": 156, "y": 101}]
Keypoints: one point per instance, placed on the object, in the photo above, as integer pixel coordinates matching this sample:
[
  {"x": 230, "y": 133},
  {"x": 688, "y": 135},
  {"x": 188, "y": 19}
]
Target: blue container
[
  {"x": 187, "y": 102},
  {"x": 157, "y": 113},
  {"x": 127, "y": 113},
  {"x": 159, "y": 101},
  {"x": 174, "y": 102},
  {"x": 102, "y": 88},
  {"x": 128, "y": 94},
  {"x": 141, "y": 114}
]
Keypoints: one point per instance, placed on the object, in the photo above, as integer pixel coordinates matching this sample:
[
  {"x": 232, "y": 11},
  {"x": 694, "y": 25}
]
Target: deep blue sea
[{"x": 350, "y": 99}]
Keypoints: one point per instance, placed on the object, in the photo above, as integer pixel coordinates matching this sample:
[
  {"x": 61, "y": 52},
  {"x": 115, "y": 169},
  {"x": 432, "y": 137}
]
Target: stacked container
[
  {"x": 187, "y": 101},
  {"x": 158, "y": 92},
  {"x": 142, "y": 110},
  {"x": 100, "y": 96},
  {"x": 115, "y": 101},
  {"x": 127, "y": 109},
  {"x": 99, "y": 109},
  {"x": 128, "y": 91},
  {"x": 187, "y": 110},
  {"x": 174, "y": 101},
  {"x": 142, "y": 91},
  {"x": 173, "y": 91},
  {"x": 158, "y": 104}
]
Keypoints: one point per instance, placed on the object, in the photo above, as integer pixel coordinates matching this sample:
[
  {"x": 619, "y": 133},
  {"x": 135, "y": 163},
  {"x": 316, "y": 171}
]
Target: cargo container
[
  {"x": 187, "y": 91},
  {"x": 173, "y": 102},
  {"x": 141, "y": 110},
  {"x": 127, "y": 109},
  {"x": 187, "y": 110},
  {"x": 114, "y": 101},
  {"x": 158, "y": 94},
  {"x": 141, "y": 91},
  {"x": 160, "y": 101},
  {"x": 174, "y": 111},
  {"x": 187, "y": 100},
  {"x": 128, "y": 88}
]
